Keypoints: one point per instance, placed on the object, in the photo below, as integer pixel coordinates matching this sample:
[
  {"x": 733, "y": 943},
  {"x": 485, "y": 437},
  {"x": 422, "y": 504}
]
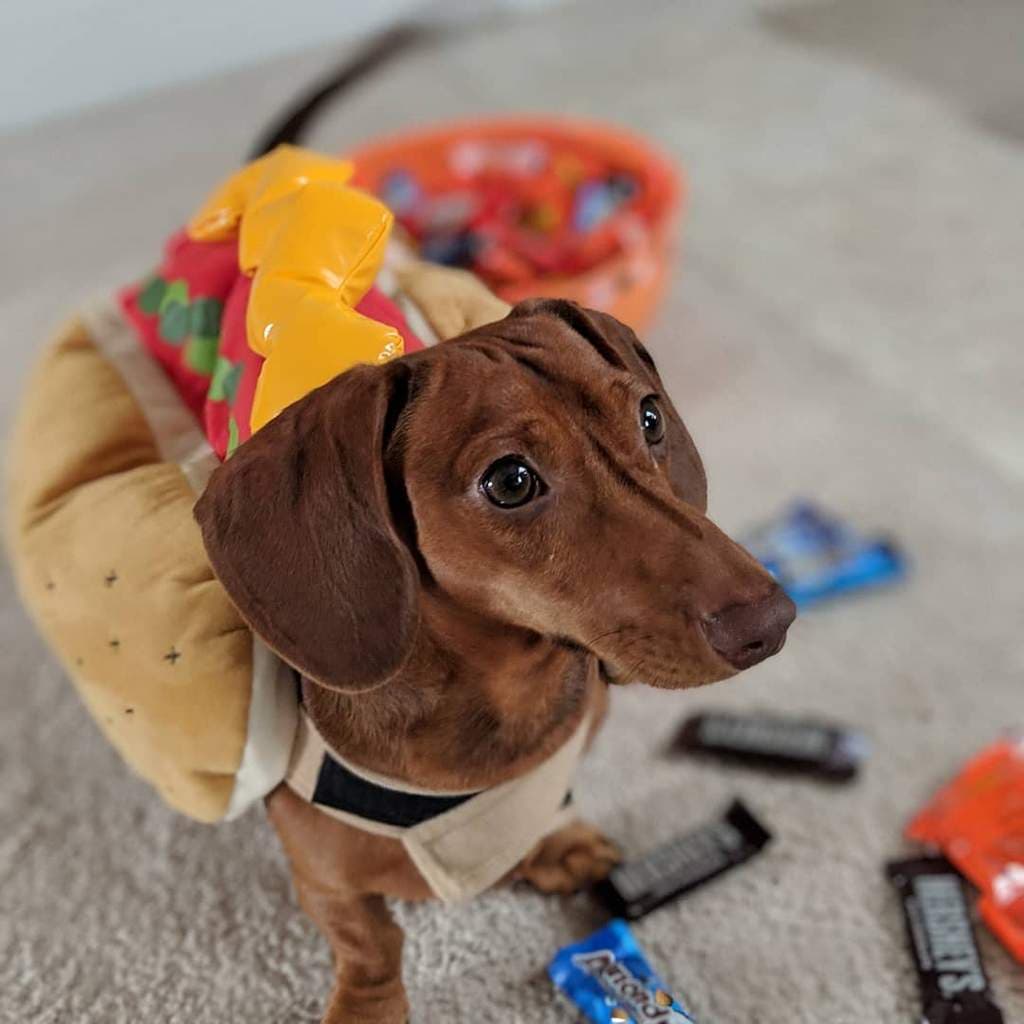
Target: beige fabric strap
[
  {"x": 273, "y": 706},
  {"x": 307, "y": 758},
  {"x": 176, "y": 430},
  {"x": 465, "y": 850}
]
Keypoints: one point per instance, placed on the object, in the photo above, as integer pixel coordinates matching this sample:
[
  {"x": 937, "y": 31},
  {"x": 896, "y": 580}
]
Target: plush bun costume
[{"x": 285, "y": 278}]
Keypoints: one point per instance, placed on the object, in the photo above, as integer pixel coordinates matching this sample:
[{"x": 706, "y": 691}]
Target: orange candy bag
[
  {"x": 1006, "y": 923},
  {"x": 978, "y": 821}
]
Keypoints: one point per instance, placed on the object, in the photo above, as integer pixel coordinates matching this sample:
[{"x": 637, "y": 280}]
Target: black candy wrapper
[
  {"x": 954, "y": 987},
  {"x": 637, "y": 887},
  {"x": 775, "y": 741}
]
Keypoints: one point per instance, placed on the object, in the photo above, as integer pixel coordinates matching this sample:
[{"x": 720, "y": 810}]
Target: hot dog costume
[{"x": 285, "y": 278}]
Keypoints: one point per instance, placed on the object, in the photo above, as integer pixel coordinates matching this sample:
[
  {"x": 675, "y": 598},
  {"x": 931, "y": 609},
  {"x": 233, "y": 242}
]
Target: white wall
[{"x": 57, "y": 56}]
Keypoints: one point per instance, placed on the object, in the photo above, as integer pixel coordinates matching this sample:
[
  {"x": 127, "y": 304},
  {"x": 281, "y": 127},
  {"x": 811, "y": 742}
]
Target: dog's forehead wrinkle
[
  {"x": 552, "y": 334},
  {"x": 623, "y": 473},
  {"x": 486, "y": 350},
  {"x": 590, "y": 381},
  {"x": 571, "y": 318},
  {"x": 644, "y": 355}
]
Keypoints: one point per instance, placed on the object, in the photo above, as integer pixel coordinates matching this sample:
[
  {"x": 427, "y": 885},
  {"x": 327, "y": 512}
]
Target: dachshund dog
[{"x": 459, "y": 551}]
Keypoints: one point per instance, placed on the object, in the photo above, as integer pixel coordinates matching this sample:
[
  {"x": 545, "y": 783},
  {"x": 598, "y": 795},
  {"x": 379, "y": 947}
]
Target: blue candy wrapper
[
  {"x": 814, "y": 555},
  {"x": 608, "y": 977}
]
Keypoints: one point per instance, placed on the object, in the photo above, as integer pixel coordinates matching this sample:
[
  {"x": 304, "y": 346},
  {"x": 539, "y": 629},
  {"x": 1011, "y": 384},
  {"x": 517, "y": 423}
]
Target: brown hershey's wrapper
[
  {"x": 637, "y": 887},
  {"x": 775, "y": 741},
  {"x": 954, "y": 986}
]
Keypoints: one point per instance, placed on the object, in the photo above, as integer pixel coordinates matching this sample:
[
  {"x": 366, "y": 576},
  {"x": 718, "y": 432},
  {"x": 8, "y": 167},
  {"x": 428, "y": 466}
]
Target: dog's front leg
[
  {"x": 339, "y": 874},
  {"x": 367, "y": 947}
]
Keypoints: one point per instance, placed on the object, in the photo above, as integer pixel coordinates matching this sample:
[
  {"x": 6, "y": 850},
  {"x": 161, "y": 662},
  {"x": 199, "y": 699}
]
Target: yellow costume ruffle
[{"x": 313, "y": 245}]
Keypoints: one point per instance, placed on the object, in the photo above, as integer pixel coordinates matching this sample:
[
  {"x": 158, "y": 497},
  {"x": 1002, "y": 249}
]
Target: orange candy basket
[{"x": 629, "y": 279}]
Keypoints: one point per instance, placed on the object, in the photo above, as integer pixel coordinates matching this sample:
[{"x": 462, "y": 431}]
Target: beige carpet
[{"x": 846, "y": 325}]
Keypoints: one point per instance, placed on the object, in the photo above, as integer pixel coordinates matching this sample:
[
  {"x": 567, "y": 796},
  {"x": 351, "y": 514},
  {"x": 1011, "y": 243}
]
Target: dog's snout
[{"x": 744, "y": 634}]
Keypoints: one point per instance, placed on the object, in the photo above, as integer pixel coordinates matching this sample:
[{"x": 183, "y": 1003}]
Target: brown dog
[{"x": 459, "y": 550}]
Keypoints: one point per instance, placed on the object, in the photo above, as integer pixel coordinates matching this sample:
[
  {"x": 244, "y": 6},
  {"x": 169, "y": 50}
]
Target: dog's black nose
[{"x": 745, "y": 634}]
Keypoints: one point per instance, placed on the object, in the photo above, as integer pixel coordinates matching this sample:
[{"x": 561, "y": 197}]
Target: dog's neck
[{"x": 477, "y": 702}]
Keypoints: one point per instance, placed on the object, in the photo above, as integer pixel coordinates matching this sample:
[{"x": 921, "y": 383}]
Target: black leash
[{"x": 291, "y": 125}]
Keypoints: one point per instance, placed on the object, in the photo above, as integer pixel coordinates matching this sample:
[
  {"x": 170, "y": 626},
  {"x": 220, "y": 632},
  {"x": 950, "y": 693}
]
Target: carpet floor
[{"x": 845, "y": 324}]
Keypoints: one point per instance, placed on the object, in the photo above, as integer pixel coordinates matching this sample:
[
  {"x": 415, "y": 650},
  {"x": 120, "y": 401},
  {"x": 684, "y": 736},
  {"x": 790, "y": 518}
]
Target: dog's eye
[
  {"x": 651, "y": 421},
  {"x": 509, "y": 482}
]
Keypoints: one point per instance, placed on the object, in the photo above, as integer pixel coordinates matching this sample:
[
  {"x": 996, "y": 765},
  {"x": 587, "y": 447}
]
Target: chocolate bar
[
  {"x": 637, "y": 887},
  {"x": 954, "y": 987},
  {"x": 775, "y": 741},
  {"x": 607, "y": 977}
]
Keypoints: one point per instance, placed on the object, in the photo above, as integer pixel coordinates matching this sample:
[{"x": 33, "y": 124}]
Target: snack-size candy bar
[
  {"x": 954, "y": 988},
  {"x": 640, "y": 886},
  {"x": 815, "y": 555},
  {"x": 776, "y": 741},
  {"x": 608, "y": 978}
]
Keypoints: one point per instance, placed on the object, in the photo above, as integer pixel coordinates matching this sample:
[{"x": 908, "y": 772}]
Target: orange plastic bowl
[{"x": 628, "y": 280}]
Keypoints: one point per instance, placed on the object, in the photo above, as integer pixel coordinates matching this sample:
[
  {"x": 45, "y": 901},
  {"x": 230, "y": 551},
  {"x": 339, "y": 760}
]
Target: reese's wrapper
[
  {"x": 637, "y": 887},
  {"x": 607, "y": 977},
  {"x": 954, "y": 987},
  {"x": 775, "y": 741},
  {"x": 1006, "y": 922}
]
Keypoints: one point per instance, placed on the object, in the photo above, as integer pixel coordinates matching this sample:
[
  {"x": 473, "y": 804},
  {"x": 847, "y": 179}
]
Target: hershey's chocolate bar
[
  {"x": 640, "y": 886},
  {"x": 954, "y": 987},
  {"x": 776, "y": 741}
]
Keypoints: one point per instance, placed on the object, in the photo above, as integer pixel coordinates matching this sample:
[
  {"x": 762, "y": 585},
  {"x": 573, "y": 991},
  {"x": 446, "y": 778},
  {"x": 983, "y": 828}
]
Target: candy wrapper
[
  {"x": 639, "y": 886},
  {"x": 608, "y": 978},
  {"x": 774, "y": 741},
  {"x": 1006, "y": 923},
  {"x": 978, "y": 821},
  {"x": 814, "y": 555},
  {"x": 954, "y": 987}
]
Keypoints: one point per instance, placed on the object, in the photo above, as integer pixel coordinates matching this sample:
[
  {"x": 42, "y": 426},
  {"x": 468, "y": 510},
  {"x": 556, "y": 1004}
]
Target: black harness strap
[{"x": 343, "y": 790}]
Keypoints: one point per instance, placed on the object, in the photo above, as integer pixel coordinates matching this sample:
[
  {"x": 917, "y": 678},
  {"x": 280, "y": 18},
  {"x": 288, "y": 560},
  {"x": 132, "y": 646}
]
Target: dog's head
[{"x": 532, "y": 471}]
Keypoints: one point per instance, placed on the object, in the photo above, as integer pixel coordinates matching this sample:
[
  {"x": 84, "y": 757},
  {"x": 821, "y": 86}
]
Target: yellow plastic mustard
[{"x": 313, "y": 246}]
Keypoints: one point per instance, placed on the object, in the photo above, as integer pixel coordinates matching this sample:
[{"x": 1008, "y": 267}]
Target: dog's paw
[
  {"x": 360, "y": 1015},
  {"x": 355, "y": 1007},
  {"x": 570, "y": 859}
]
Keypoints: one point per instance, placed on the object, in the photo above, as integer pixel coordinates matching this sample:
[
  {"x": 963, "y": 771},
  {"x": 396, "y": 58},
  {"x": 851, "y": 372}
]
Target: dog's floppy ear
[
  {"x": 298, "y": 528},
  {"x": 619, "y": 346}
]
